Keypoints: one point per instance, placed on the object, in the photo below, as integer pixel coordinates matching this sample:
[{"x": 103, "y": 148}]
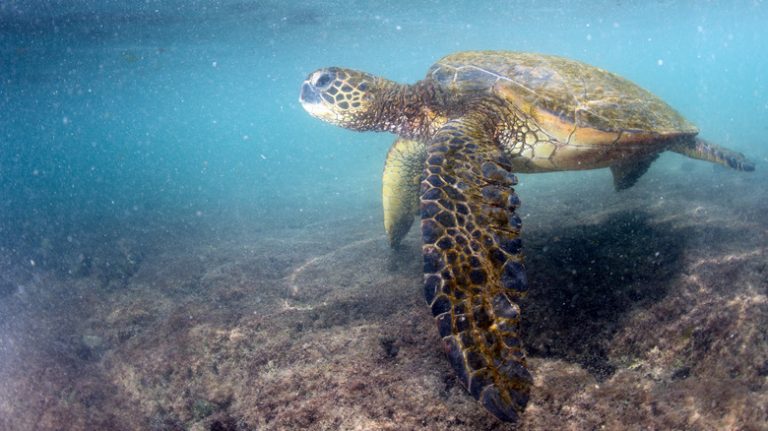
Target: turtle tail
[{"x": 701, "y": 149}]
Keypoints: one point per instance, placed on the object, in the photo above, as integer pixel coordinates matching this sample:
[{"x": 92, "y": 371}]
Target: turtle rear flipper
[
  {"x": 473, "y": 266},
  {"x": 701, "y": 149},
  {"x": 400, "y": 187},
  {"x": 626, "y": 173}
]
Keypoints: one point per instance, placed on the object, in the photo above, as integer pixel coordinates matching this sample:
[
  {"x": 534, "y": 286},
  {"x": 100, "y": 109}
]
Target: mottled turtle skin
[{"x": 463, "y": 131}]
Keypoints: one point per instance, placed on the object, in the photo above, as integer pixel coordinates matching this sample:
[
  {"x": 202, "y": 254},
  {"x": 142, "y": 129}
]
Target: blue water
[
  {"x": 118, "y": 115},
  {"x": 114, "y": 108}
]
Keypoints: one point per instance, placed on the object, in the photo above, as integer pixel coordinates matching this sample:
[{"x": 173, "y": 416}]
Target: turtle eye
[{"x": 322, "y": 79}]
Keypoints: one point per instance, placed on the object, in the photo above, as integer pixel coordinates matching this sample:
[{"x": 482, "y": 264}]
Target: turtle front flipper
[
  {"x": 473, "y": 266},
  {"x": 400, "y": 187},
  {"x": 697, "y": 148}
]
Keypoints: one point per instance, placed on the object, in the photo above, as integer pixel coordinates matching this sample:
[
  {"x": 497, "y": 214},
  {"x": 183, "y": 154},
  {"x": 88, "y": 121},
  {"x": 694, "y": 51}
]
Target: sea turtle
[{"x": 463, "y": 131}]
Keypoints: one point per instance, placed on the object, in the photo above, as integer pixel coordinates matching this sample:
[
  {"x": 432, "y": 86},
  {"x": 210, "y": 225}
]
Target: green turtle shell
[{"x": 564, "y": 94}]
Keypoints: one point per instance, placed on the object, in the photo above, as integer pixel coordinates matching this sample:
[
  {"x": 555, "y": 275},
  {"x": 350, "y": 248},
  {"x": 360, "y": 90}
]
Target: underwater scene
[{"x": 196, "y": 235}]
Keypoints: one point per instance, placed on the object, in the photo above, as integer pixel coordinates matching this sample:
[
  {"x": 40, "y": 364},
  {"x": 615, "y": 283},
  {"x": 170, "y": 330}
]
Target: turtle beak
[
  {"x": 308, "y": 94},
  {"x": 310, "y": 100},
  {"x": 315, "y": 83}
]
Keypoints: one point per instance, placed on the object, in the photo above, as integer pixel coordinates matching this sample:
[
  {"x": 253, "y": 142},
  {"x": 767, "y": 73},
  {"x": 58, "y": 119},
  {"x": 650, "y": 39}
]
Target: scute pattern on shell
[{"x": 574, "y": 92}]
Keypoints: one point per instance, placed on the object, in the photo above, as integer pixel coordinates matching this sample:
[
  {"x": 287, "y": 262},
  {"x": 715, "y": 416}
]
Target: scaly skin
[
  {"x": 472, "y": 254},
  {"x": 473, "y": 264},
  {"x": 480, "y": 116}
]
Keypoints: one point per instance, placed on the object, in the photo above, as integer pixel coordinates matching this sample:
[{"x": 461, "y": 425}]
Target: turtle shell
[{"x": 573, "y": 101}]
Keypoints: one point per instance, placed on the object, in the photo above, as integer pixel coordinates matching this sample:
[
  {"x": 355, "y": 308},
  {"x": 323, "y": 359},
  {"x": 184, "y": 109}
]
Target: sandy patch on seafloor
[{"x": 644, "y": 313}]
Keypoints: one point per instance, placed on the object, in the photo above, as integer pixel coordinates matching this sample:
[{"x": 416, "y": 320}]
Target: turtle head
[{"x": 343, "y": 97}]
